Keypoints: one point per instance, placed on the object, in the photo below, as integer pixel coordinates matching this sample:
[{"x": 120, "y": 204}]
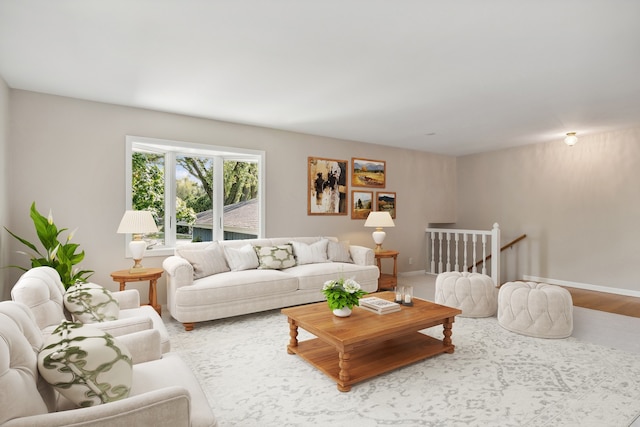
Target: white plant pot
[{"x": 342, "y": 312}]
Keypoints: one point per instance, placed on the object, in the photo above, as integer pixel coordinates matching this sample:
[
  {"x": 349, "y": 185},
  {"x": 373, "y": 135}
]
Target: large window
[{"x": 196, "y": 192}]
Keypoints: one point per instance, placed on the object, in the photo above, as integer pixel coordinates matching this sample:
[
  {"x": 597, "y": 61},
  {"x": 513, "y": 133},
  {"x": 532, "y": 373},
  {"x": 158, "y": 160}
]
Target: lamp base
[
  {"x": 137, "y": 267},
  {"x": 379, "y": 248}
]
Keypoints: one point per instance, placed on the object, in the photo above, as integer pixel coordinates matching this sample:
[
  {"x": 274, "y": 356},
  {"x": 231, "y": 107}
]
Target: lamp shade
[
  {"x": 379, "y": 219},
  {"x": 137, "y": 222}
]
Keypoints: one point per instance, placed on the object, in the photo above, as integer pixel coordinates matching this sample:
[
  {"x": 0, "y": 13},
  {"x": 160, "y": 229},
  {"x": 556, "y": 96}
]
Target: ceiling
[{"x": 454, "y": 78}]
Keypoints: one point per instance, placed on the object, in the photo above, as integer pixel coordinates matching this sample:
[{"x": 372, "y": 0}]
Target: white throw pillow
[
  {"x": 243, "y": 258},
  {"x": 86, "y": 365},
  {"x": 91, "y": 303},
  {"x": 339, "y": 252},
  {"x": 310, "y": 254},
  {"x": 275, "y": 257},
  {"x": 207, "y": 261}
]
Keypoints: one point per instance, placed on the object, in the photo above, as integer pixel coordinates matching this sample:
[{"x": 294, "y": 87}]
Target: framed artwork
[
  {"x": 327, "y": 186},
  {"x": 361, "y": 204},
  {"x": 368, "y": 173},
  {"x": 386, "y": 201}
]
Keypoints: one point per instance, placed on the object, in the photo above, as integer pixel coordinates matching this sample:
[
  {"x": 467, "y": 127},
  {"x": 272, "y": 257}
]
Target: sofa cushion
[
  {"x": 243, "y": 258},
  {"x": 91, "y": 303},
  {"x": 207, "y": 261},
  {"x": 310, "y": 254},
  {"x": 339, "y": 252},
  {"x": 86, "y": 365},
  {"x": 313, "y": 276},
  {"x": 275, "y": 257},
  {"x": 236, "y": 286}
]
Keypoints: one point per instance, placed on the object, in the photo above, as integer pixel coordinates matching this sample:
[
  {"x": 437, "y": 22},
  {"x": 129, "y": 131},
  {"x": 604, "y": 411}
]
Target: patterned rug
[{"x": 494, "y": 378}]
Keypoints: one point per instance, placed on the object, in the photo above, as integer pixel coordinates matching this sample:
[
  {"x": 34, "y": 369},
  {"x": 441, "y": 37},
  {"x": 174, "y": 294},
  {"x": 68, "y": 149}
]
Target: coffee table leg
[
  {"x": 448, "y": 324},
  {"x": 344, "y": 371},
  {"x": 293, "y": 336}
]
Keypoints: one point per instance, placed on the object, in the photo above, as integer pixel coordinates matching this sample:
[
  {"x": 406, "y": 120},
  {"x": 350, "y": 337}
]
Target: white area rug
[{"x": 494, "y": 378}]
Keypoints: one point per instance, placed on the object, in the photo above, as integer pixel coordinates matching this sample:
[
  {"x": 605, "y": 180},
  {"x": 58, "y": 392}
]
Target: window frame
[{"x": 171, "y": 149}]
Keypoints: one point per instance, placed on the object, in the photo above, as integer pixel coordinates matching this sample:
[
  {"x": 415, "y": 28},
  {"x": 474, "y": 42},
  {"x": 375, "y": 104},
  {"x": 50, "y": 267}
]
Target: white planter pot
[{"x": 342, "y": 312}]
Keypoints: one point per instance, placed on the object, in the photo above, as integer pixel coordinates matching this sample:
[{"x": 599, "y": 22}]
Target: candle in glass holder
[
  {"x": 408, "y": 295},
  {"x": 398, "y": 291}
]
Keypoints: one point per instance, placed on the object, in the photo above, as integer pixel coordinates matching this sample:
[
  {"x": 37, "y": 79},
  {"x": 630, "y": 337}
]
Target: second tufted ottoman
[
  {"x": 473, "y": 293},
  {"x": 535, "y": 309}
]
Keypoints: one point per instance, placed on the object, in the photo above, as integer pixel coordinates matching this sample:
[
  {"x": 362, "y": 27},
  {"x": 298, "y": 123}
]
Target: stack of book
[{"x": 379, "y": 305}]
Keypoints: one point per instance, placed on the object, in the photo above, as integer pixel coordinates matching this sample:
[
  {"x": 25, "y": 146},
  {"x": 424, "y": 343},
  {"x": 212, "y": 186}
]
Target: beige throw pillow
[
  {"x": 339, "y": 252},
  {"x": 206, "y": 262},
  {"x": 310, "y": 254},
  {"x": 243, "y": 258}
]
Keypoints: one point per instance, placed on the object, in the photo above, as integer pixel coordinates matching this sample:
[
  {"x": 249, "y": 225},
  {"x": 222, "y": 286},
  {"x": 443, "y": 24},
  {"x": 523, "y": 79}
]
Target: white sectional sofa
[{"x": 213, "y": 280}]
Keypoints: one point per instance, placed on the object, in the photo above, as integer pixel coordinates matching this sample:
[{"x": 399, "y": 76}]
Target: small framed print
[
  {"x": 327, "y": 186},
  {"x": 361, "y": 204},
  {"x": 386, "y": 201},
  {"x": 368, "y": 173}
]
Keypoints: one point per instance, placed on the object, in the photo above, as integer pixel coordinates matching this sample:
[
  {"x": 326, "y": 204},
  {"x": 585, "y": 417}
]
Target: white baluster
[
  {"x": 457, "y": 239},
  {"x": 433, "y": 252},
  {"x": 484, "y": 254},
  {"x": 448, "y": 251},
  {"x": 440, "y": 252},
  {"x": 464, "y": 259},
  {"x": 474, "y": 269}
]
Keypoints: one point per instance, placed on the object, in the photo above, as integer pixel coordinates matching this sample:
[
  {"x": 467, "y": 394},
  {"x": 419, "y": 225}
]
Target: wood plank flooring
[{"x": 611, "y": 303}]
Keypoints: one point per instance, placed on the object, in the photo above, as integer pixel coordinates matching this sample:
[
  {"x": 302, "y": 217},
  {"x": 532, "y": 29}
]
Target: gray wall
[
  {"x": 4, "y": 188},
  {"x": 69, "y": 155},
  {"x": 579, "y": 207}
]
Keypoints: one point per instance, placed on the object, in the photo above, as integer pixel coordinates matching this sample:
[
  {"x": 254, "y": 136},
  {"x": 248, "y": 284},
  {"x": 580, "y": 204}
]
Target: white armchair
[
  {"x": 164, "y": 391},
  {"x": 41, "y": 290}
]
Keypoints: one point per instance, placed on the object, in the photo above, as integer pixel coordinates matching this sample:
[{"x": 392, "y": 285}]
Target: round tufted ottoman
[
  {"x": 473, "y": 293},
  {"x": 535, "y": 309}
]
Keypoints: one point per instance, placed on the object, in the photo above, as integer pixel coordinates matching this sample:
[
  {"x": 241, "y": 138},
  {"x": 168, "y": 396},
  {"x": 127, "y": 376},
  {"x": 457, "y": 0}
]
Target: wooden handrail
[{"x": 507, "y": 246}]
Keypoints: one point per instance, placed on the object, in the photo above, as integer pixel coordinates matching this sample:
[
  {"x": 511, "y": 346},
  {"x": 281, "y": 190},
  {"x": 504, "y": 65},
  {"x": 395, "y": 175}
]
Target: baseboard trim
[
  {"x": 586, "y": 286},
  {"x": 413, "y": 273}
]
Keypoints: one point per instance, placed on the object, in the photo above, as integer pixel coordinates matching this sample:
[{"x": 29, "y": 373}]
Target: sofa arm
[
  {"x": 362, "y": 255},
  {"x": 143, "y": 346},
  {"x": 129, "y": 298},
  {"x": 179, "y": 271},
  {"x": 125, "y": 326},
  {"x": 168, "y": 406}
]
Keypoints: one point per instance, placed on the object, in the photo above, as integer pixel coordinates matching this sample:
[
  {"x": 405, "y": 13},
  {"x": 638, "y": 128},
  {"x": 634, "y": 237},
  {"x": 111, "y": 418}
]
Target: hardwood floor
[{"x": 611, "y": 303}]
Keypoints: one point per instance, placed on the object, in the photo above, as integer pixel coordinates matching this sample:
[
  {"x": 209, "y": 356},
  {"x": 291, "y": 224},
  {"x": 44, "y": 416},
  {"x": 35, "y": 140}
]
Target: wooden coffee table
[{"x": 363, "y": 345}]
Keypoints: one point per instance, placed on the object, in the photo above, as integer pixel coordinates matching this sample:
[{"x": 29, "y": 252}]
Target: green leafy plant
[
  {"x": 342, "y": 293},
  {"x": 57, "y": 255}
]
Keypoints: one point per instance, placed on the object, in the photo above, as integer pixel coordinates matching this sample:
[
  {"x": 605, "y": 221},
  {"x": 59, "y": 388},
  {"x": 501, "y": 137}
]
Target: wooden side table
[
  {"x": 150, "y": 274},
  {"x": 387, "y": 281}
]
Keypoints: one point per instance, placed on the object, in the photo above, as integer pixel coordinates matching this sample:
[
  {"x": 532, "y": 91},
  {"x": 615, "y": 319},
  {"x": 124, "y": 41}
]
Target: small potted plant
[{"x": 342, "y": 295}]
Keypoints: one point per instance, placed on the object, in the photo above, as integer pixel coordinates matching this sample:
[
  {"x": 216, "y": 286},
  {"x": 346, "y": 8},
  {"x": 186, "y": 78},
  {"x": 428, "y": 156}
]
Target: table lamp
[
  {"x": 379, "y": 220},
  {"x": 137, "y": 223}
]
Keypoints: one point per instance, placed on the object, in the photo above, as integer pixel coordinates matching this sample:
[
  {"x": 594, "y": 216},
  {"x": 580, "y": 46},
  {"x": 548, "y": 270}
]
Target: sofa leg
[{"x": 188, "y": 326}]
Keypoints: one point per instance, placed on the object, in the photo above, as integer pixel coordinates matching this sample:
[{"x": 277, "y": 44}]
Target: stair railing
[{"x": 457, "y": 250}]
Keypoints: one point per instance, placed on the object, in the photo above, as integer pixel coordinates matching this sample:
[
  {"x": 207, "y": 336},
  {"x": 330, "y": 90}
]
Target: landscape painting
[
  {"x": 327, "y": 186},
  {"x": 361, "y": 204},
  {"x": 368, "y": 173},
  {"x": 386, "y": 202}
]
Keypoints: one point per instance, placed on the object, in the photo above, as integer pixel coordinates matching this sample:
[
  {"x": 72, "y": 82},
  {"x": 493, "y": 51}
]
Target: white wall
[
  {"x": 579, "y": 207},
  {"x": 68, "y": 155},
  {"x": 5, "y": 288}
]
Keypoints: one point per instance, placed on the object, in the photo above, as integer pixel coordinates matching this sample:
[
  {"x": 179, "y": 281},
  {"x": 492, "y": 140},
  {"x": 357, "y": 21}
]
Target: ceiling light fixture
[{"x": 571, "y": 139}]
